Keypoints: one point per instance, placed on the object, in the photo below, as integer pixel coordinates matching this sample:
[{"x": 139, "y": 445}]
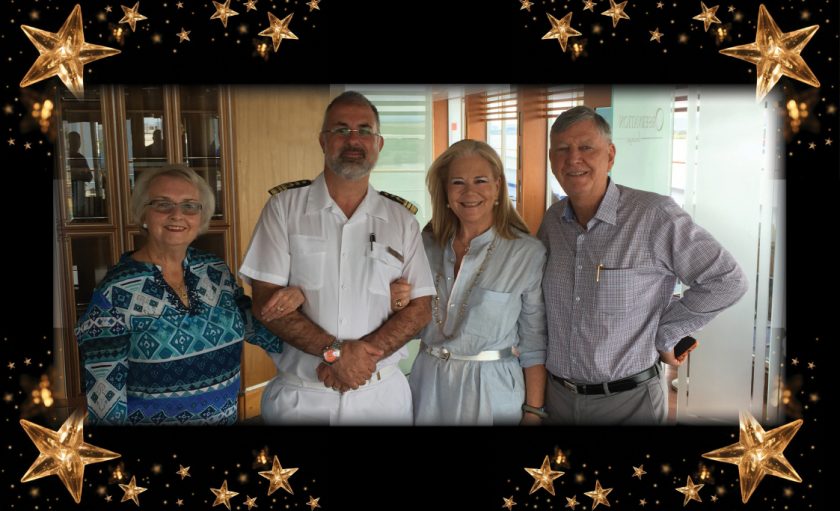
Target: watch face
[{"x": 331, "y": 355}]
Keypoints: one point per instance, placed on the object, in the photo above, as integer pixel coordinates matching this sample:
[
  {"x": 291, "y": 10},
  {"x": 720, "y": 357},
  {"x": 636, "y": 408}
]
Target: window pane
[
  {"x": 144, "y": 129},
  {"x": 200, "y": 122},
  {"x": 91, "y": 256}
]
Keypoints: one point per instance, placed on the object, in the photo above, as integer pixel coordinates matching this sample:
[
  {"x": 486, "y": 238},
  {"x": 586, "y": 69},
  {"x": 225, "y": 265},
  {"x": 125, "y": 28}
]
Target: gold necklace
[
  {"x": 180, "y": 290},
  {"x": 436, "y": 314}
]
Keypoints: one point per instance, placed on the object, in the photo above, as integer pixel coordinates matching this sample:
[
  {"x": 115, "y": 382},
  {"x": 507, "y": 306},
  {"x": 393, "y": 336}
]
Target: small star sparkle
[
  {"x": 775, "y": 54},
  {"x": 278, "y": 30},
  {"x": 707, "y": 16},
  {"x": 508, "y": 503},
  {"x": 588, "y": 5},
  {"x": 132, "y": 15},
  {"x": 691, "y": 491},
  {"x": 572, "y": 502},
  {"x": 63, "y": 53},
  {"x": 223, "y": 495},
  {"x": 251, "y": 5},
  {"x": 758, "y": 453},
  {"x": 543, "y": 477},
  {"x": 599, "y": 495},
  {"x": 561, "y": 30},
  {"x": 526, "y": 4},
  {"x": 131, "y": 491},
  {"x": 64, "y": 453},
  {"x": 183, "y": 471},
  {"x": 313, "y": 4},
  {"x": 223, "y": 12},
  {"x": 313, "y": 503},
  {"x": 616, "y": 12},
  {"x": 656, "y": 35},
  {"x": 184, "y": 35},
  {"x": 639, "y": 471},
  {"x": 251, "y": 501},
  {"x": 278, "y": 477}
]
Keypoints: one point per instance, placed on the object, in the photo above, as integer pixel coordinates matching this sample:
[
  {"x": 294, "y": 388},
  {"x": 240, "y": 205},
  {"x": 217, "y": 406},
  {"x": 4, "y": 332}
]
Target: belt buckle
[
  {"x": 571, "y": 386},
  {"x": 444, "y": 354}
]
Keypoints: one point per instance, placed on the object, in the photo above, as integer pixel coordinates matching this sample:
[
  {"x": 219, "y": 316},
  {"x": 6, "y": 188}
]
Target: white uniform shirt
[{"x": 304, "y": 239}]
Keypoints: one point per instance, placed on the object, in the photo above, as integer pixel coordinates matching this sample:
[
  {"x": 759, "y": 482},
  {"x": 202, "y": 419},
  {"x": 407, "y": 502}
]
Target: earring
[
  {"x": 145, "y": 226},
  {"x": 496, "y": 203},
  {"x": 447, "y": 206}
]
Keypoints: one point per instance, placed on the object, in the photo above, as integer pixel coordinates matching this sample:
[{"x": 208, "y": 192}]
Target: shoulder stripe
[
  {"x": 402, "y": 202},
  {"x": 290, "y": 185}
]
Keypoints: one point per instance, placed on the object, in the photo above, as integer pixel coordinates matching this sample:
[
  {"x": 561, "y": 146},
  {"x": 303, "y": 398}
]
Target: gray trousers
[{"x": 645, "y": 404}]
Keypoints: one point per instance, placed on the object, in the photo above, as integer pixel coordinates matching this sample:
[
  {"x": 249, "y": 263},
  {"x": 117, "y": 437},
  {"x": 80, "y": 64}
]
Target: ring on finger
[{"x": 398, "y": 303}]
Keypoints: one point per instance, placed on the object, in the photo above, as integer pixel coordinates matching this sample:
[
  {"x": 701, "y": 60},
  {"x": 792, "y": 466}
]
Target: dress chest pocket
[
  {"x": 383, "y": 267},
  {"x": 308, "y": 256},
  {"x": 486, "y": 312},
  {"x": 617, "y": 291}
]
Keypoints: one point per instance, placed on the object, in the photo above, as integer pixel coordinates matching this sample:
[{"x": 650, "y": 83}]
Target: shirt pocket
[
  {"x": 486, "y": 312},
  {"x": 617, "y": 291},
  {"x": 308, "y": 256},
  {"x": 383, "y": 268}
]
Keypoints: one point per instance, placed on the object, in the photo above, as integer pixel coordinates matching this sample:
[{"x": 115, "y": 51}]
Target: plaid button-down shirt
[{"x": 609, "y": 287}]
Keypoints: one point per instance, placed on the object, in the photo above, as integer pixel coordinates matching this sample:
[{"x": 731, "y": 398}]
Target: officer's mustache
[{"x": 347, "y": 149}]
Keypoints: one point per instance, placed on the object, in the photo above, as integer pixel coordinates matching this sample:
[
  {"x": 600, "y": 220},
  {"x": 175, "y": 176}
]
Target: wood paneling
[
  {"x": 275, "y": 133},
  {"x": 440, "y": 126},
  {"x": 533, "y": 132},
  {"x": 476, "y": 126}
]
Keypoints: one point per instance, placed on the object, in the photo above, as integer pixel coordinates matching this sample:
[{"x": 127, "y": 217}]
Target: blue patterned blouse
[{"x": 148, "y": 359}]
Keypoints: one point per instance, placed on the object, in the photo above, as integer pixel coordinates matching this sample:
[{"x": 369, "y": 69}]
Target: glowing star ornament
[
  {"x": 572, "y": 502},
  {"x": 183, "y": 471},
  {"x": 543, "y": 477},
  {"x": 526, "y": 4},
  {"x": 278, "y": 477},
  {"x": 131, "y": 491},
  {"x": 775, "y": 54},
  {"x": 223, "y": 12},
  {"x": 184, "y": 35},
  {"x": 313, "y": 4},
  {"x": 251, "y": 5},
  {"x": 313, "y": 503},
  {"x": 707, "y": 16},
  {"x": 64, "y": 453},
  {"x": 588, "y": 5},
  {"x": 223, "y": 495},
  {"x": 63, "y": 53},
  {"x": 691, "y": 491},
  {"x": 251, "y": 502},
  {"x": 639, "y": 471},
  {"x": 278, "y": 30},
  {"x": 599, "y": 495},
  {"x": 758, "y": 453},
  {"x": 508, "y": 503},
  {"x": 132, "y": 15},
  {"x": 561, "y": 30},
  {"x": 656, "y": 35},
  {"x": 616, "y": 12}
]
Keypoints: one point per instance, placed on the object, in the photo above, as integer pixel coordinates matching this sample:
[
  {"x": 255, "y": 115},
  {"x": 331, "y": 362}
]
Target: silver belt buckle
[
  {"x": 444, "y": 354},
  {"x": 571, "y": 386}
]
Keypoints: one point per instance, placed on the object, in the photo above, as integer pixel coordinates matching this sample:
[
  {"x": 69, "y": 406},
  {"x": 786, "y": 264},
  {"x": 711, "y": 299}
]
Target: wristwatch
[
  {"x": 539, "y": 412},
  {"x": 332, "y": 352}
]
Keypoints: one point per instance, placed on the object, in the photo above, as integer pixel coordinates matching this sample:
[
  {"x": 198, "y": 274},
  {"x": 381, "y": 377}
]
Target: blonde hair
[
  {"x": 141, "y": 192},
  {"x": 444, "y": 223}
]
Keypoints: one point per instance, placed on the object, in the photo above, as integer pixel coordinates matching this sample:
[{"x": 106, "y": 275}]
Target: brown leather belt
[{"x": 629, "y": 383}]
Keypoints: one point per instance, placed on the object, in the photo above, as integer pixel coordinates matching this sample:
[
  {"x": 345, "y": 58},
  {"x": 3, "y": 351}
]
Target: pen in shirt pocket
[
  {"x": 598, "y": 272},
  {"x": 372, "y": 240}
]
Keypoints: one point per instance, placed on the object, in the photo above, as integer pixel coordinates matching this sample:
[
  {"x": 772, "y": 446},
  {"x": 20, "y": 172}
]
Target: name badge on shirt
[{"x": 396, "y": 254}]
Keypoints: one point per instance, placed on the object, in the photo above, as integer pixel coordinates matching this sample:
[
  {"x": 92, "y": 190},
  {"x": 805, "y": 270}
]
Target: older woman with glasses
[
  {"x": 482, "y": 359},
  {"x": 161, "y": 340}
]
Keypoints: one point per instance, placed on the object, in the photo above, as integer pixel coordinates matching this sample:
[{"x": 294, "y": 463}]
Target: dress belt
[
  {"x": 483, "y": 356},
  {"x": 297, "y": 381},
  {"x": 631, "y": 382}
]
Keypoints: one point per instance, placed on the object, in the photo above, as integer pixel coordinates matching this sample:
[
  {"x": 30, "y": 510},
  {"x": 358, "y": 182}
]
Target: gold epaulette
[
  {"x": 402, "y": 202},
  {"x": 288, "y": 186}
]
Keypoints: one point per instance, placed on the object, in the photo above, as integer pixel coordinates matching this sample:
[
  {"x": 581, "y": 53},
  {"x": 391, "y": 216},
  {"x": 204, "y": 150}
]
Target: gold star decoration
[
  {"x": 616, "y": 12},
  {"x": 828, "y": 141},
  {"x": 775, "y": 54},
  {"x": 132, "y": 15},
  {"x": 183, "y": 471},
  {"x": 758, "y": 453},
  {"x": 812, "y": 145},
  {"x": 543, "y": 477},
  {"x": 251, "y": 5},
  {"x": 707, "y": 16},
  {"x": 639, "y": 471},
  {"x": 132, "y": 491},
  {"x": 561, "y": 30},
  {"x": 278, "y": 30},
  {"x": 572, "y": 502},
  {"x": 714, "y": 498},
  {"x": 508, "y": 503},
  {"x": 223, "y": 12},
  {"x": 251, "y": 502},
  {"x": 313, "y": 4},
  {"x": 656, "y": 35},
  {"x": 313, "y": 503},
  {"x": 27, "y": 361},
  {"x": 660, "y": 5},
  {"x": 184, "y": 35},
  {"x": 64, "y": 452},
  {"x": 526, "y": 4},
  {"x": 27, "y": 146},
  {"x": 11, "y": 365},
  {"x": 642, "y": 502},
  {"x": 691, "y": 491},
  {"x": 599, "y": 495},
  {"x": 63, "y": 53},
  {"x": 223, "y": 495},
  {"x": 179, "y": 5},
  {"x": 811, "y": 365},
  {"x": 278, "y": 477},
  {"x": 588, "y": 5},
  {"x": 179, "y": 502},
  {"x": 107, "y": 8}
]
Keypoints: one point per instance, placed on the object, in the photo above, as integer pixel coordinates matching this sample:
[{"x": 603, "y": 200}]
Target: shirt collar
[
  {"x": 319, "y": 198},
  {"x": 607, "y": 210}
]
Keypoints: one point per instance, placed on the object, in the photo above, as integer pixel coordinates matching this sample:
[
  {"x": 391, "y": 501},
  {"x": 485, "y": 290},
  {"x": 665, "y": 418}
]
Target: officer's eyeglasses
[{"x": 344, "y": 132}]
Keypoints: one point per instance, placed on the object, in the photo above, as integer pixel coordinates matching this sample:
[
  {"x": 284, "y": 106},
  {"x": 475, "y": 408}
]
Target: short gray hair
[
  {"x": 581, "y": 113},
  {"x": 351, "y": 97},
  {"x": 141, "y": 191}
]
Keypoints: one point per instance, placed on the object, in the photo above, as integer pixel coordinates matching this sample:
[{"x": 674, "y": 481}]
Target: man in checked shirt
[{"x": 615, "y": 255}]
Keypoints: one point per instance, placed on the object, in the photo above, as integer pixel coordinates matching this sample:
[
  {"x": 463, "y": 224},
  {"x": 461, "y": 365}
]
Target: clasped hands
[{"x": 353, "y": 368}]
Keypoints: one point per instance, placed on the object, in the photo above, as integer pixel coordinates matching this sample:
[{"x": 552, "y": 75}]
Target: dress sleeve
[
  {"x": 531, "y": 323},
  {"x": 104, "y": 341},
  {"x": 255, "y": 332}
]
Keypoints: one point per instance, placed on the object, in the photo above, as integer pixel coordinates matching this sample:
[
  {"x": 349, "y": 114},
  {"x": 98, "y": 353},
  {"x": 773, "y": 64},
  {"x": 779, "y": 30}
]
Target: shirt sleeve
[
  {"x": 699, "y": 261},
  {"x": 416, "y": 269},
  {"x": 255, "y": 332},
  {"x": 268, "y": 257},
  {"x": 104, "y": 342},
  {"x": 531, "y": 324}
]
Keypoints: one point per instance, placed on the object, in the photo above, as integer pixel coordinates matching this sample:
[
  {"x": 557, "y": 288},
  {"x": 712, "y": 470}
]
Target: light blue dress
[{"x": 505, "y": 309}]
